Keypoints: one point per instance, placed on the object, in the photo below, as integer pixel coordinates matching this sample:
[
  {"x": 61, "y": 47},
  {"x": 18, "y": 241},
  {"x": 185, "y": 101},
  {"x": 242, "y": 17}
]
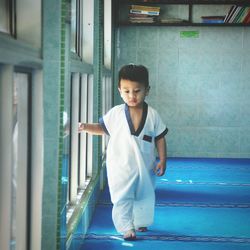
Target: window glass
[
  {"x": 21, "y": 163},
  {"x": 73, "y": 26},
  {"x": 76, "y": 27},
  {"x": 73, "y": 178},
  {"x": 79, "y": 28},
  {"x": 106, "y": 103},
  {"x": 88, "y": 31},
  {"x": 29, "y": 23},
  {"x": 4, "y": 17},
  {"x": 81, "y": 145},
  {"x": 90, "y": 120},
  {"x": 107, "y": 33},
  {"x": 83, "y": 116}
]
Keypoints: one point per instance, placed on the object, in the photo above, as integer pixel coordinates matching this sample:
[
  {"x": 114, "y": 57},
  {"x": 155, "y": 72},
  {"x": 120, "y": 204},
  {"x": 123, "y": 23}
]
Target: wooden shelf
[
  {"x": 213, "y": 2},
  {"x": 190, "y": 4},
  {"x": 185, "y": 24}
]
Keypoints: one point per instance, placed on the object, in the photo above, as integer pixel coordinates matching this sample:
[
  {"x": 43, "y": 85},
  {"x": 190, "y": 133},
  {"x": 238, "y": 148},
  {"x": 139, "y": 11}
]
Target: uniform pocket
[
  {"x": 147, "y": 138},
  {"x": 146, "y": 144}
]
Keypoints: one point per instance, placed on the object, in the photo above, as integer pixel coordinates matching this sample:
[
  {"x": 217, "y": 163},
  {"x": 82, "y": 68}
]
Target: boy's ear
[{"x": 119, "y": 91}]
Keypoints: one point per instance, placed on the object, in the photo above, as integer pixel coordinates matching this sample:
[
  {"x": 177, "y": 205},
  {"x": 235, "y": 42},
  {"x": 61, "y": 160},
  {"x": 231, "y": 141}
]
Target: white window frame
[
  {"x": 81, "y": 149},
  {"x": 107, "y": 33},
  {"x": 83, "y": 136},
  {"x": 106, "y": 104},
  {"x": 90, "y": 120},
  {"x": 7, "y": 161},
  {"x": 88, "y": 31},
  {"x": 73, "y": 180},
  {"x": 27, "y": 30},
  {"x": 21, "y": 163}
]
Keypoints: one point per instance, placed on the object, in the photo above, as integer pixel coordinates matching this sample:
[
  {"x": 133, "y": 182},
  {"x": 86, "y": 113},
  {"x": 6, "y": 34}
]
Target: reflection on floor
[{"x": 201, "y": 204}]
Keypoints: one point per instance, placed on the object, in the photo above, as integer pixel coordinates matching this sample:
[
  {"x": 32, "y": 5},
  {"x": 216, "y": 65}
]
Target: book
[
  {"x": 152, "y": 13},
  {"x": 237, "y": 17},
  {"x": 141, "y": 18},
  {"x": 247, "y": 18},
  {"x": 231, "y": 19},
  {"x": 143, "y": 14},
  {"x": 213, "y": 19},
  {"x": 244, "y": 14},
  {"x": 230, "y": 13},
  {"x": 145, "y": 8},
  {"x": 172, "y": 20},
  {"x": 237, "y": 14}
]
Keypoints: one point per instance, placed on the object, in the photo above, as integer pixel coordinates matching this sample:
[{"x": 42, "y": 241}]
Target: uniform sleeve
[
  {"x": 108, "y": 120},
  {"x": 160, "y": 128},
  {"x": 102, "y": 123}
]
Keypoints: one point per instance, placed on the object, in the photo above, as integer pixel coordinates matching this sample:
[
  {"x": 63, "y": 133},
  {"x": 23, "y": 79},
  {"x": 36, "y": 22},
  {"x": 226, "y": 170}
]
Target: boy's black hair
[{"x": 136, "y": 73}]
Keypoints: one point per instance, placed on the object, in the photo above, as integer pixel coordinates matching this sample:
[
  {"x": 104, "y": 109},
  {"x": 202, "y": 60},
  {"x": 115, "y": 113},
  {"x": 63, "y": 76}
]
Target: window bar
[
  {"x": 83, "y": 136},
  {"x": 74, "y": 139},
  {"x": 12, "y": 17}
]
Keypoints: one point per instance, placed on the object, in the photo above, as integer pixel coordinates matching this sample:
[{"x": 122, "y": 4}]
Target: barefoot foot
[
  {"x": 142, "y": 229},
  {"x": 130, "y": 235}
]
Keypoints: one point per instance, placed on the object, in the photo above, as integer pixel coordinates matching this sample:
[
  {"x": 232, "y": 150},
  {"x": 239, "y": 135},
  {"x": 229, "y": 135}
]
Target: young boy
[{"x": 134, "y": 128}]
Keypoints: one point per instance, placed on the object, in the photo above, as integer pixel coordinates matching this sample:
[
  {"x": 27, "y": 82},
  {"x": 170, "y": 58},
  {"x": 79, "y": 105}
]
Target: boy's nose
[{"x": 131, "y": 94}]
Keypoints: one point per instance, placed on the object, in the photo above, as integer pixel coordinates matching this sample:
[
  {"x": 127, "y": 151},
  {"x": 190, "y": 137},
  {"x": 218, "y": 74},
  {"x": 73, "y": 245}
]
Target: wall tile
[
  {"x": 126, "y": 56},
  {"x": 209, "y": 140},
  {"x": 230, "y": 140},
  {"x": 201, "y": 86},
  {"x": 147, "y": 37},
  {"x": 127, "y": 37},
  {"x": 245, "y": 140},
  {"x": 147, "y": 57},
  {"x": 168, "y": 39},
  {"x": 246, "y": 38},
  {"x": 245, "y": 115}
]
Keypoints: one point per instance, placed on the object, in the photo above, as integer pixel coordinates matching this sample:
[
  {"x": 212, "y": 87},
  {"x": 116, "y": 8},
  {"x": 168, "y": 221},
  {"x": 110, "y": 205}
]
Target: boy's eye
[{"x": 134, "y": 91}]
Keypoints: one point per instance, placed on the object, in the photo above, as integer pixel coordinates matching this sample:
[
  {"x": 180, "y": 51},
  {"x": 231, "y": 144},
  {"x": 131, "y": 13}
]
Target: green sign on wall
[{"x": 189, "y": 34}]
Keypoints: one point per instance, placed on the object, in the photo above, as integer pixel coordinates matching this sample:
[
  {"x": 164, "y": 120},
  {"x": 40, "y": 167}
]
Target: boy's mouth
[{"x": 133, "y": 101}]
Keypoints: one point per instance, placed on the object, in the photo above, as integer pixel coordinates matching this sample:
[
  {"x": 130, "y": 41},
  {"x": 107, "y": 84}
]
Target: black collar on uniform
[{"x": 143, "y": 120}]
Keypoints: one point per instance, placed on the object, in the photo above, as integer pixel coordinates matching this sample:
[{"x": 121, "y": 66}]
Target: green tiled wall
[
  {"x": 200, "y": 85},
  {"x": 52, "y": 136}
]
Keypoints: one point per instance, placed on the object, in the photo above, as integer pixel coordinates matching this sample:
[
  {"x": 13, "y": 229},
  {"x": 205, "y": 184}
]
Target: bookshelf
[{"x": 186, "y": 13}]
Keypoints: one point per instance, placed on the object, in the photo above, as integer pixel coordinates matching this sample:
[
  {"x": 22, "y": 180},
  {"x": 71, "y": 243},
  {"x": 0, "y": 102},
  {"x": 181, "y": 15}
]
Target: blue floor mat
[
  {"x": 171, "y": 194},
  {"x": 159, "y": 245},
  {"x": 201, "y": 204},
  {"x": 194, "y": 221}
]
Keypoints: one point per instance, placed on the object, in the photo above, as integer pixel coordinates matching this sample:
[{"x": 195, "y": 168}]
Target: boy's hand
[
  {"x": 80, "y": 127},
  {"x": 160, "y": 168}
]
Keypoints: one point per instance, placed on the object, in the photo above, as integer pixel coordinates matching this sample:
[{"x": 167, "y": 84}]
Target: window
[
  {"x": 81, "y": 146},
  {"x": 15, "y": 19},
  {"x": 73, "y": 173},
  {"x": 76, "y": 27},
  {"x": 17, "y": 170},
  {"x": 86, "y": 142},
  {"x": 82, "y": 29},
  {"x": 106, "y": 103},
  {"x": 88, "y": 31},
  {"x": 7, "y": 16},
  {"x": 107, "y": 33},
  {"x": 73, "y": 26},
  {"x": 4, "y": 16},
  {"x": 29, "y": 23},
  {"x": 21, "y": 160},
  {"x": 83, "y": 117}
]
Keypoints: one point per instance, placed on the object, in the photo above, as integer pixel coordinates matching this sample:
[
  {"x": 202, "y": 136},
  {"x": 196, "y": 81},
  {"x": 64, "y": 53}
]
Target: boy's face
[{"x": 133, "y": 93}]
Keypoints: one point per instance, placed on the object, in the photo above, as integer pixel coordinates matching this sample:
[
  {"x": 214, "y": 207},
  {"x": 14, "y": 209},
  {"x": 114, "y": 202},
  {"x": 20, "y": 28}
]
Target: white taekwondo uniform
[{"x": 130, "y": 161}]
